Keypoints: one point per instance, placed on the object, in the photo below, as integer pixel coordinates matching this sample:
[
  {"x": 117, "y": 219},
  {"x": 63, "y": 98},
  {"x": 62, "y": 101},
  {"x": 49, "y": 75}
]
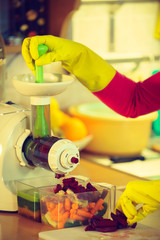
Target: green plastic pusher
[{"x": 40, "y": 125}]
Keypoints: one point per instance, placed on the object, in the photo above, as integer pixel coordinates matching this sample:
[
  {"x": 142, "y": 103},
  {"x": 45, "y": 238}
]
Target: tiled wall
[
  {"x": 133, "y": 31},
  {"x": 134, "y": 25}
]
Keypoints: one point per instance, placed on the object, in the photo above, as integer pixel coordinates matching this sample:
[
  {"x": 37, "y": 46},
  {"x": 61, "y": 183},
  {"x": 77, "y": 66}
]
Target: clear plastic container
[
  {"x": 68, "y": 209},
  {"x": 28, "y": 196},
  {"x": 37, "y": 201}
]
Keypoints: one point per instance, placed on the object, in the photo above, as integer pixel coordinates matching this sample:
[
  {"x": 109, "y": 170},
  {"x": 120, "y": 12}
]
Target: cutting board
[{"x": 141, "y": 232}]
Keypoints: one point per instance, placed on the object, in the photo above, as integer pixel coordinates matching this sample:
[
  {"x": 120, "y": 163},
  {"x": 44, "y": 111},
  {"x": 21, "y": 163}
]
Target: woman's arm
[
  {"x": 123, "y": 95},
  {"x": 129, "y": 98}
]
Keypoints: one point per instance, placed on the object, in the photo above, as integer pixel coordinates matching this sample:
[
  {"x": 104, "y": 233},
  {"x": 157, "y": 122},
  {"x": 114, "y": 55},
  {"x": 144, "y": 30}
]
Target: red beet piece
[
  {"x": 104, "y": 193},
  {"x": 97, "y": 223},
  {"x": 95, "y": 220},
  {"x": 90, "y": 187},
  {"x": 134, "y": 225},
  {"x": 120, "y": 219},
  {"x": 70, "y": 183},
  {"x": 58, "y": 188},
  {"x": 106, "y": 223},
  {"x": 89, "y": 228},
  {"x": 80, "y": 189},
  {"x": 58, "y": 176}
]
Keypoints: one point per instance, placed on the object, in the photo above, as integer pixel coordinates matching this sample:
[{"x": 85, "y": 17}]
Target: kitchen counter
[
  {"x": 16, "y": 227},
  {"x": 99, "y": 173}
]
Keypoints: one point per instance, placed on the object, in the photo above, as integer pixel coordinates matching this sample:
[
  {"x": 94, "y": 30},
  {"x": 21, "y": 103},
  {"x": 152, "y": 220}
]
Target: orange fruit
[{"x": 74, "y": 129}]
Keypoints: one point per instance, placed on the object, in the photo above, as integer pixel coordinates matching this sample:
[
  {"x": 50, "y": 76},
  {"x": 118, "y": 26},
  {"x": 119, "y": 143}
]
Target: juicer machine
[{"x": 24, "y": 154}]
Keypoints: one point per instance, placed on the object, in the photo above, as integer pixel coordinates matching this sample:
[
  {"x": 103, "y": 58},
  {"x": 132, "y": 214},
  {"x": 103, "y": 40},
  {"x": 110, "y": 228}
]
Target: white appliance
[
  {"x": 13, "y": 122},
  {"x": 15, "y": 129}
]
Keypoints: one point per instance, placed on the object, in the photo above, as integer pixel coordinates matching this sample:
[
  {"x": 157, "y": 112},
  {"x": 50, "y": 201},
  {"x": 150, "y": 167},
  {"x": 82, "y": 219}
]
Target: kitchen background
[
  {"x": 125, "y": 33},
  {"x": 122, "y": 32}
]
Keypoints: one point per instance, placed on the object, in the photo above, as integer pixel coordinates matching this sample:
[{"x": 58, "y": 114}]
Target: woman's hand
[
  {"x": 89, "y": 68},
  {"x": 139, "y": 199}
]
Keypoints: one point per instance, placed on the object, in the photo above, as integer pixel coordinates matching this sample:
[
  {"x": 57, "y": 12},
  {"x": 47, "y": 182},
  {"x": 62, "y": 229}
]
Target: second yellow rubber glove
[
  {"x": 139, "y": 199},
  {"x": 89, "y": 68}
]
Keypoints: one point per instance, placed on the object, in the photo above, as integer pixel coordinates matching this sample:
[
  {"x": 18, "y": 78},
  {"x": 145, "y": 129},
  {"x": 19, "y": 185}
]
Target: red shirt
[{"x": 129, "y": 98}]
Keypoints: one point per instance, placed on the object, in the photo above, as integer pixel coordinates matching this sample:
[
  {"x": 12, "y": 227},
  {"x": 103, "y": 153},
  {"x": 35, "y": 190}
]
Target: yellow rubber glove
[
  {"x": 89, "y": 68},
  {"x": 139, "y": 199}
]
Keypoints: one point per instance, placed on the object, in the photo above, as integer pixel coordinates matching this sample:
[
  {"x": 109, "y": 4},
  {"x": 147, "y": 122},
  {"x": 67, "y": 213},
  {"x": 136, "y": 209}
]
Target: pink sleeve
[{"x": 131, "y": 99}]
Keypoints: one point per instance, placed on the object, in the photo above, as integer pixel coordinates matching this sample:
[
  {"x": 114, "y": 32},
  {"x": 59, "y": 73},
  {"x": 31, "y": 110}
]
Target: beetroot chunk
[
  {"x": 97, "y": 223},
  {"x": 72, "y": 184},
  {"x": 90, "y": 187},
  {"x": 120, "y": 218},
  {"x": 58, "y": 188},
  {"x": 100, "y": 224}
]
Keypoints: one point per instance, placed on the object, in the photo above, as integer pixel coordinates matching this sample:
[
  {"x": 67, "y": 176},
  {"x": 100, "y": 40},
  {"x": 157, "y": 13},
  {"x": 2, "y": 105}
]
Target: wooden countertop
[{"x": 15, "y": 227}]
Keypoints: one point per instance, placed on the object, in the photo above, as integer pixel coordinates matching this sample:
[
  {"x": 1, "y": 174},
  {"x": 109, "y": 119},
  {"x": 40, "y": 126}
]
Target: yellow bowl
[{"x": 113, "y": 134}]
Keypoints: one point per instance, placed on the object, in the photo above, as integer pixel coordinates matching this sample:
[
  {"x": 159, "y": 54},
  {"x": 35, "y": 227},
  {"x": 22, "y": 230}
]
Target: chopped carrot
[
  {"x": 60, "y": 206},
  {"x": 101, "y": 207},
  {"x": 84, "y": 213},
  {"x": 62, "y": 222},
  {"x": 59, "y": 216},
  {"x": 50, "y": 206},
  {"x": 54, "y": 217},
  {"x": 77, "y": 217},
  {"x": 55, "y": 210},
  {"x": 73, "y": 211},
  {"x": 66, "y": 215},
  {"x": 75, "y": 205},
  {"x": 97, "y": 206},
  {"x": 85, "y": 209},
  {"x": 91, "y": 204},
  {"x": 67, "y": 204}
]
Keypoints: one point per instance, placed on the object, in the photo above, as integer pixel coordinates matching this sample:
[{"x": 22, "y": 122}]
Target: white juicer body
[{"x": 13, "y": 123}]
